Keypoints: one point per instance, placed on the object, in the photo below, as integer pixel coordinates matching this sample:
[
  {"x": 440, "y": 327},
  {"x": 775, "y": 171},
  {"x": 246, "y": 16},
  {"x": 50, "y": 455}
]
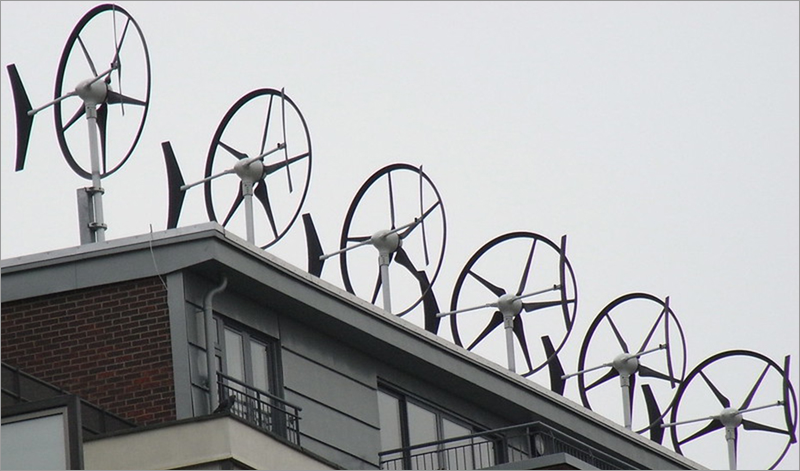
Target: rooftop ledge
[
  {"x": 214, "y": 230},
  {"x": 194, "y": 443}
]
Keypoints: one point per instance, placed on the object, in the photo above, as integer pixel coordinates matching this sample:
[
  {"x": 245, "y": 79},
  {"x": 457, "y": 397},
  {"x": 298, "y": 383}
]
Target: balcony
[
  {"x": 19, "y": 387},
  {"x": 497, "y": 447},
  {"x": 260, "y": 409}
]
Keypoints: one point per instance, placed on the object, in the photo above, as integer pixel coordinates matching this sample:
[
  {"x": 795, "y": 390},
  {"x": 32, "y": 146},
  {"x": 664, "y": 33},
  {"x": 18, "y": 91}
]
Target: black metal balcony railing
[
  {"x": 261, "y": 409},
  {"x": 493, "y": 447}
]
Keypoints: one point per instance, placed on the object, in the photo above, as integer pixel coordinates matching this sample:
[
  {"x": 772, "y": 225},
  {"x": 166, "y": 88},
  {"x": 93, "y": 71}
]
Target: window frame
[
  {"x": 405, "y": 398},
  {"x": 198, "y": 368},
  {"x": 248, "y": 336}
]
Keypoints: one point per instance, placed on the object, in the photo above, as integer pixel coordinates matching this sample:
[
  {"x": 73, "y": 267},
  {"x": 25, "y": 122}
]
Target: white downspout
[{"x": 211, "y": 361}]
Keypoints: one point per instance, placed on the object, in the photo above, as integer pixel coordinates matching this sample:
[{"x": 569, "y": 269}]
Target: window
[
  {"x": 406, "y": 422},
  {"x": 43, "y": 434},
  {"x": 246, "y": 356},
  {"x": 37, "y": 442},
  {"x": 247, "y": 360},
  {"x": 389, "y": 413}
]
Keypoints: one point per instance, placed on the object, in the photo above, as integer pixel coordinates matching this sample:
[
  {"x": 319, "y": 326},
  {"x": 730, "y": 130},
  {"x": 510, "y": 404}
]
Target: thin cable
[{"x": 153, "y": 256}]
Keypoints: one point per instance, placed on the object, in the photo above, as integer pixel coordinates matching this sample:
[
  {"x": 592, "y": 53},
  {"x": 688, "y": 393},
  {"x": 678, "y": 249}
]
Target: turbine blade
[
  {"x": 74, "y": 119},
  {"x": 667, "y": 342},
  {"x": 562, "y": 276},
  {"x": 617, "y": 334},
  {"x": 260, "y": 192},
  {"x": 649, "y": 372},
  {"x": 612, "y": 373},
  {"x": 118, "y": 46},
  {"x": 498, "y": 291},
  {"x": 406, "y": 232},
  {"x": 115, "y": 98},
  {"x": 497, "y": 319},
  {"x": 651, "y": 332},
  {"x": 714, "y": 425},
  {"x": 720, "y": 397},
  {"x": 391, "y": 201},
  {"x": 750, "y": 425},
  {"x": 787, "y": 396},
  {"x": 272, "y": 168},
  {"x": 116, "y": 54},
  {"x": 431, "y": 307},
  {"x": 358, "y": 238},
  {"x": 266, "y": 124},
  {"x": 524, "y": 280},
  {"x": 401, "y": 257},
  {"x": 654, "y": 414},
  {"x": 752, "y": 392},
  {"x": 88, "y": 58},
  {"x": 102, "y": 125},
  {"x": 24, "y": 122},
  {"x": 422, "y": 221},
  {"x": 378, "y": 283},
  {"x": 535, "y": 306},
  {"x": 554, "y": 366},
  {"x": 236, "y": 203},
  {"x": 285, "y": 145},
  {"x": 519, "y": 331},
  {"x": 313, "y": 245},
  {"x": 174, "y": 183},
  {"x": 122, "y": 39},
  {"x": 233, "y": 152}
]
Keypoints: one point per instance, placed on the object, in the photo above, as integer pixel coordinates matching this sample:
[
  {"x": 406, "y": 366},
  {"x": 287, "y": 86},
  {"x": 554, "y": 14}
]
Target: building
[{"x": 105, "y": 352}]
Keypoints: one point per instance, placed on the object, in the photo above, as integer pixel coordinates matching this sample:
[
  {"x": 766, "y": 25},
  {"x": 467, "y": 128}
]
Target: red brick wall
[{"x": 108, "y": 344}]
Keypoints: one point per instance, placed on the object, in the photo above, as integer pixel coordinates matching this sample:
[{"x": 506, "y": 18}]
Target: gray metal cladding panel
[
  {"x": 38, "y": 283},
  {"x": 334, "y": 435},
  {"x": 331, "y": 388},
  {"x": 326, "y": 350}
]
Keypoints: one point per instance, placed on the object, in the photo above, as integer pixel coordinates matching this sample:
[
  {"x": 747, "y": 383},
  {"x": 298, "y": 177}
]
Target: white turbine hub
[
  {"x": 92, "y": 93},
  {"x": 249, "y": 173},
  {"x": 730, "y": 417},
  {"x": 509, "y": 305},
  {"x": 386, "y": 241},
  {"x": 625, "y": 364}
]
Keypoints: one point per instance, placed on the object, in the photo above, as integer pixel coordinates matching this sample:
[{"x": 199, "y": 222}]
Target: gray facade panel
[
  {"x": 329, "y": 433},
  {"x": 333, "y": 353},
  {"x": 38, "y": 283},
  {"x": 325, "y": 386},
  {"x": 180, "y": 345}
]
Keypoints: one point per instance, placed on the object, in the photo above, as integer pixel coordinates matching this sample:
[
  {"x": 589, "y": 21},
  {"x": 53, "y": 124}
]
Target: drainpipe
[{"x": 211, "y": 361}]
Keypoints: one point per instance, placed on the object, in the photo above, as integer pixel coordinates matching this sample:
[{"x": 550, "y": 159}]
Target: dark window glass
[
  {"x": 406, "y": 422},
  {"x": 422, "y": 429},
  {"x": 234, "y": 355},
  {"x": 389, "y": 416},
  {"x": 260, "y": 359}
]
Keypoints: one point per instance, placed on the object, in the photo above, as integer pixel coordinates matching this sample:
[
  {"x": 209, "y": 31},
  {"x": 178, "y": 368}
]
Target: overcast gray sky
[{"x": 660, "y": 137}]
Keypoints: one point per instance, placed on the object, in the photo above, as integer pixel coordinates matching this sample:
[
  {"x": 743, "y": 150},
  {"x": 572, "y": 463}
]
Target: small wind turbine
[
  {"x": 509, "y": 306},
  {"x": 489, "y": 270},
  {"x": 389, "y": 241},
  {"x": 96, "y": 95},
  {"x": 730, "y": 418},
  {"x": 627, "y": 365},
  {"x": 229, "y": 143}
]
